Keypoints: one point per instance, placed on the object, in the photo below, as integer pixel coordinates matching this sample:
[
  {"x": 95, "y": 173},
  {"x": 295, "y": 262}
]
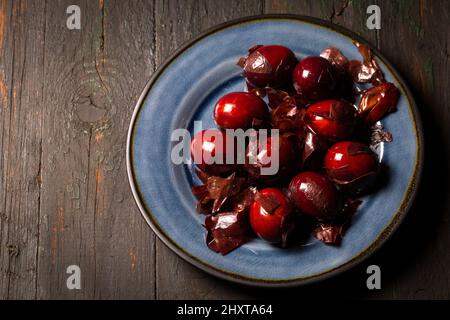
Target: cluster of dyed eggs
[{"x": 325, "y": 157}]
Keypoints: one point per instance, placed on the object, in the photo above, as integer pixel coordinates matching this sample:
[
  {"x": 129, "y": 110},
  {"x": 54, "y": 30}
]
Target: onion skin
[
  {"x": 314, "y": 149},
  {"x": 336, "y": 58}
]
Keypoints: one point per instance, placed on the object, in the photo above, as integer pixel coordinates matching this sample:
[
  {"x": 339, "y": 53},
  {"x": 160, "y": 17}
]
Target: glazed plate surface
[{"x": 186, "y": 88}]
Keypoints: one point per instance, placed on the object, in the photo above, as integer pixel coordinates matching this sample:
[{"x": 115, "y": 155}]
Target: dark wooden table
[{"x": 66, "y": 97}]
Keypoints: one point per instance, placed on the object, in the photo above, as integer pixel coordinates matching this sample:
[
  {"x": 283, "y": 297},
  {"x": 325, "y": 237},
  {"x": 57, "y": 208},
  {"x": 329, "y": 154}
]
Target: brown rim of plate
[{"x": 373, "y": 247}]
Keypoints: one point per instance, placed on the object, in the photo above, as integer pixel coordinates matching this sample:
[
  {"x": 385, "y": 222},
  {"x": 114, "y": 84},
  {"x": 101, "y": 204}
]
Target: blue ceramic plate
[{"x": 186, "y": 88}]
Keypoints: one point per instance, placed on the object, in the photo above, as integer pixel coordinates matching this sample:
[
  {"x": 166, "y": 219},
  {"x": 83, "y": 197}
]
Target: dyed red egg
[
  {"x": 333, "y": 120},
  {"x": 378, "y": 101},
  {"x": 351, "y": 165},
  {"x": 315, "y": 195},
  {"x": 239, "y": 110},
  {"x": 270, "y": 65},
  {"x": 314, "y": 78},
  {"x": 268, "y": 217},
  {"x": 259, "y": 156},
  {"x": 209, "y": 150}
]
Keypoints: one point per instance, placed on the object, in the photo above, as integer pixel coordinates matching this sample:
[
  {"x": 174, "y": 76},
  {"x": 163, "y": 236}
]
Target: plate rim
[{"x": 405, "y": 205}]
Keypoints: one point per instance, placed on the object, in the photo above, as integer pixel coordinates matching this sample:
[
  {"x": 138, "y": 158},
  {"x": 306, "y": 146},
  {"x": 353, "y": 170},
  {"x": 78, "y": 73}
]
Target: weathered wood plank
[
  {"x": 65, "y": 101},
  {"x": 177, "y": 22},
  {"x": 349, "y": 14},
  {"x": 125, "y": 269},
  {"x": 5, "y": 96},
  {"x": 93, "y": 78},
  {"x": 21, "y": 49},
  {"x": 417, "y": 42}
]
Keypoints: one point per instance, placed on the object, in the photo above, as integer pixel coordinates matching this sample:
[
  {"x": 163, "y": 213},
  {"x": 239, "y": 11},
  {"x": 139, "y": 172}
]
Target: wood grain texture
[
  {"x": 66, "y": 98},
  {"x": 91, "y": 79},
  {"x": 416, "y": 261},
  {"x": 21, "y": 122},
  {"x": 349, "y": 14}
]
